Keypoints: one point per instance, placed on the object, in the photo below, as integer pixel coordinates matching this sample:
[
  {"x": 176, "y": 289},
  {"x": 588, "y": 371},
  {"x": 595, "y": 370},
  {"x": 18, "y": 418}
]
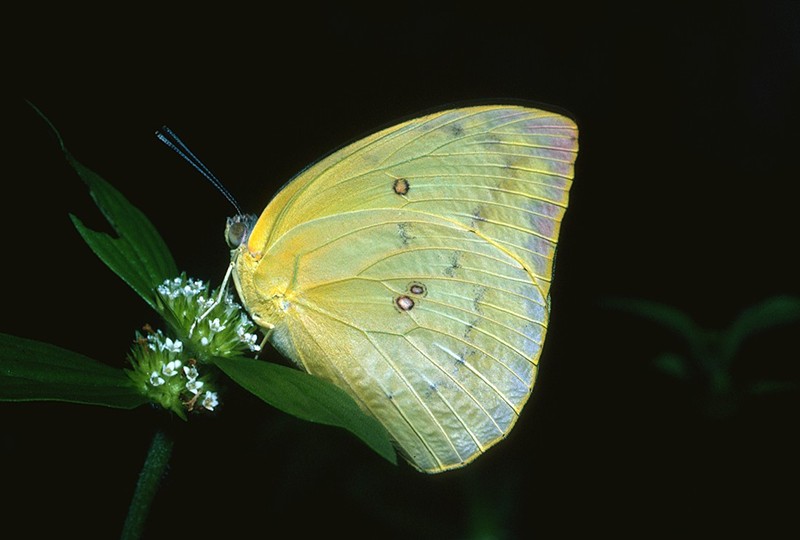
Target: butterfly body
[{"x": 412, "y": 269}]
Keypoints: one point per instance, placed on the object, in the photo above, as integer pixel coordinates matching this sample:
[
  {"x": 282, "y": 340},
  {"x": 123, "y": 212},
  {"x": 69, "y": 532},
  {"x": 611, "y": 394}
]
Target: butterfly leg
[
  {"x": 264, "y": 341},
  {"x": 217, "y": 301}
]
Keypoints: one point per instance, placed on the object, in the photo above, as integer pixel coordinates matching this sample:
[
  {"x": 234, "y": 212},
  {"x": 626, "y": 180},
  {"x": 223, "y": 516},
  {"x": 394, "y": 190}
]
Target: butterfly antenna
[{"x": 168, "y": 137}]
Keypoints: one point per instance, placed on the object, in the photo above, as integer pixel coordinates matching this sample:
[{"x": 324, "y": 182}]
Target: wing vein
[
  {"x": 491, "y": 320},
  {"x": 449, "y": 406},
  {"x": 500, "y": 341}
]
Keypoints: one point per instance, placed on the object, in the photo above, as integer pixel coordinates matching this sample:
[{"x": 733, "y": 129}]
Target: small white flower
[
  {"x": 170, "y": 288},
  {"x": 216, "y": 326},
  {"x": 194, "y": 386},
  {"x": 204, "y": 341},
  {"x": 249, "y": 339},
  {"x": 172, "y": 346},
  {"x": 190, "y": 372},
  {"x": 171, "y": 368},
  {"x": 156, "y": 379},
  {"x": 210, "y": 400}
]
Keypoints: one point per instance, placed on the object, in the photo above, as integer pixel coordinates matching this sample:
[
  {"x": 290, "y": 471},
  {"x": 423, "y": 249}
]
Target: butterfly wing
[{"x": 412, "y": 268}]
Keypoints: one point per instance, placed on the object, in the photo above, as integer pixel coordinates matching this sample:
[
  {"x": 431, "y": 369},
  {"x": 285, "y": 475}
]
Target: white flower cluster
[
  {"x": 177, "y": 372},
  {"x": 172, "y": 288},
  {"x": 248, "y": 338},
  {"x": 158, "y": 343},
  {"x": 189, "y": 299}
]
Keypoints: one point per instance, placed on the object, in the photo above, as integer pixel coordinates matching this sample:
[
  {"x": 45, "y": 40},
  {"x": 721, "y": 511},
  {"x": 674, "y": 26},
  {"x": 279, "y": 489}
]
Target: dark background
[{"x": 684, "y": 194}]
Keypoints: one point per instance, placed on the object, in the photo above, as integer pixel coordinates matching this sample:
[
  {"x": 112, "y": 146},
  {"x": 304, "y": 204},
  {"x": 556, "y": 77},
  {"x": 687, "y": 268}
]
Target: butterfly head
[{"x": 237, "y": 229}]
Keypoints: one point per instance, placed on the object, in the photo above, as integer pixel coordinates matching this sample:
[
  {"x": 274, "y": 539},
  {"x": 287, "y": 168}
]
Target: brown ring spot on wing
[
  {"x": 417, "y": 288},
  {"x": 401, "y": 186},
  {"x": 404, "y": 303}
]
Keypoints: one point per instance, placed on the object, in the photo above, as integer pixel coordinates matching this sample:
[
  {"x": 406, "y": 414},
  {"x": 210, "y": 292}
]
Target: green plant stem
[{"x": 146, "y": 488}]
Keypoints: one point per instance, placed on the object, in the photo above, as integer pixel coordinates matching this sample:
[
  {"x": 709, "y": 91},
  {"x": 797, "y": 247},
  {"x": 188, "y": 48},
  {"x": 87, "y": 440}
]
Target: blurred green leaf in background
[{"x": 711, "y": 354}]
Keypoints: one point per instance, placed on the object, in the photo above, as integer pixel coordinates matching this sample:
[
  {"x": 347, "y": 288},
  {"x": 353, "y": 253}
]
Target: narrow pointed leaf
[
  {"x": 673, "y": 364},
  {"x": 139, "y": 254},
  {"x": 122, "y": 258},
  {"x": 777, "y": 311},
  {"x": 35, "y": 371},
  {"x": 765, "y": 387},
  {"x": 309, "y": 398},
  {"x": 664, "y": 315}
]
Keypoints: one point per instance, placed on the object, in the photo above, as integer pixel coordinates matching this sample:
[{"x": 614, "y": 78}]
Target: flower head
[
  {"x": 209, "y": 324},
  {"x": 173, "y": 369},
  {"x": 162, "y": 372}
]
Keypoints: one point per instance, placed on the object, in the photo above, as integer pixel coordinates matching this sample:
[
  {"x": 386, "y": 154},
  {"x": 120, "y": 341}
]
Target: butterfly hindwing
[{"x": 435, "y": 333}]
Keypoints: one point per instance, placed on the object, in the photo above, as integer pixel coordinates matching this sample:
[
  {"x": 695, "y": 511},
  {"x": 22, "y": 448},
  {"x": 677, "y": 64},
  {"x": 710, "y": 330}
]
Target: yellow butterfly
[{"x": 412, "y": 269}]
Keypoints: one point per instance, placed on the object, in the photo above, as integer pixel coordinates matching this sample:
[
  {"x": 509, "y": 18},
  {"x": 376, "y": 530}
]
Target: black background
[{"x": 684, "y": 194}]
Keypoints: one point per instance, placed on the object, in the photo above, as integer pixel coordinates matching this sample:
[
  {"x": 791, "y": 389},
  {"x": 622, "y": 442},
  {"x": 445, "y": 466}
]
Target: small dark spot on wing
[
  {"x": 479, "y": 294},
  {"x": 403, "y": 231},
  {"x": 417, "y": 288},
  {"x": 454, "y": 265},
  {"x": 401, "y": 186},
  {"x": 470, "y": 327},
  {"x": 404, "y": 303},
  {"x": 476, "y": 217},
  {"x": 456, "y": 130}
]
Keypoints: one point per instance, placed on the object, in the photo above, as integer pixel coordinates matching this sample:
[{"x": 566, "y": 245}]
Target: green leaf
[
  {"x": 777, "y": 311},
  {"x": 765, "y": 387},
  {"x": 673, "y": 364},
  {"x": 307, "y": 397},
  {"x": 121, "y": 256},
  {"x": 139, "y": 254},
  {"x": 668, "y": 317},
  {"x": 35, "y": 371}
]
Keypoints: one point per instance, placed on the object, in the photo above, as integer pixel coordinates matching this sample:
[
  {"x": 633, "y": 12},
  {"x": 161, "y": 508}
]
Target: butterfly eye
[
  {"x": 234, "y": 235},
  {"x": 237, "y": 230}
]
